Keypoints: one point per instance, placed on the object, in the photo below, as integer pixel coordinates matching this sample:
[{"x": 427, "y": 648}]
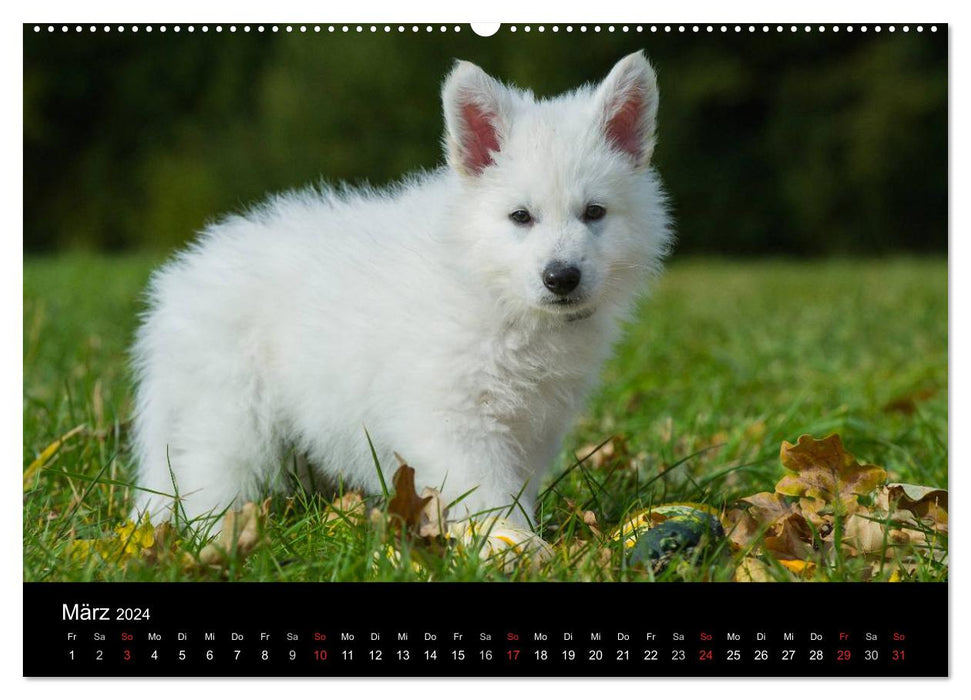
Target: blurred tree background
[{"x": 778, "y": 143}]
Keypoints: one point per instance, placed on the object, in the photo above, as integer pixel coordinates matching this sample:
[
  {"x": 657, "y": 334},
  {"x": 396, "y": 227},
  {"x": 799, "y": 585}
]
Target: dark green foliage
[{"x": 802, "y": 143}]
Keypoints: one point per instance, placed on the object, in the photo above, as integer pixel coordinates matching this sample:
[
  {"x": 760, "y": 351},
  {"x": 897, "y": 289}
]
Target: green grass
[{"x": 727, "y": 360}]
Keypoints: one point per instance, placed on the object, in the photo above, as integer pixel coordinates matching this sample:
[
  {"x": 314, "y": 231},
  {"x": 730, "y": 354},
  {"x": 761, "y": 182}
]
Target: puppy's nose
[{"x": 560, "y": 278}]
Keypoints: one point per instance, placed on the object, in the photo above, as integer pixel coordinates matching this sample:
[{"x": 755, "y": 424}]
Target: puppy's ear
[
  {"x": 627, "y": 100},
  {"x": 476, "y": 117}
]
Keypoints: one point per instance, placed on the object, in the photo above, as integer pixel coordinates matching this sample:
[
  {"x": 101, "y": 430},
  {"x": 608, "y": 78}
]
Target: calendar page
[{"x": 485, "y": 350}]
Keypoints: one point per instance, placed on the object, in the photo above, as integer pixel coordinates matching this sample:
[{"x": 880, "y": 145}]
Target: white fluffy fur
[{"x": 417, "y": 313}]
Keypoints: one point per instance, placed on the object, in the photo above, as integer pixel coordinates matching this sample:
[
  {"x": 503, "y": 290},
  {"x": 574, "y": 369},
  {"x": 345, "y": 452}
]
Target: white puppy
[{"x": 460, "y": 317}]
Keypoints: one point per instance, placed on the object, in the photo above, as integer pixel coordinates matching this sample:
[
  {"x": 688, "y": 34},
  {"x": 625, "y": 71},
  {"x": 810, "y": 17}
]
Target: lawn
[{"x": 727, "y": 359}]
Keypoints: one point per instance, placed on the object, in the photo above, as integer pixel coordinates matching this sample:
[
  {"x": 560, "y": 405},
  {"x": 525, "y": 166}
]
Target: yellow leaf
[
  {"x": 134, "y": 538},
  {"x": 31, "y": 471},
  {"x": 800, "y": 567},
  {"x": 752, "y": 570}
]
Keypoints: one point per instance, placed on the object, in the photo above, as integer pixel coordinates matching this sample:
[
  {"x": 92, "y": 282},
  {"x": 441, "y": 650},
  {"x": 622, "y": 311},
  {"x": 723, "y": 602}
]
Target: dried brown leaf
[
  {"x": 824, "y": 470},
  {"x": 753, "y": 570},
  {"x": 792, "y": 538},
  {"x": 406, "y": 507},
  {"x": 433, "y": 519},
  {"x": 242, "y": 532},
  {"x": 866, "y": 533},
  {"x": 590, "y": 520},
  {"x": 613, "y": 454},
  {"x": 741, "y": 528},
  {"x": 767, "y": 507},
  {"x": 349, "y": 508},
  {"x": 923, "y": 501}
]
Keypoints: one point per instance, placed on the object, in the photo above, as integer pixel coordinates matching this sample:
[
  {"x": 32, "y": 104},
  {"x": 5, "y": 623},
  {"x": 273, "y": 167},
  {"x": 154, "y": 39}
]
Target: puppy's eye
[
  {"x": 593, "y": 212},
  {"x": 521, "y": 217}
]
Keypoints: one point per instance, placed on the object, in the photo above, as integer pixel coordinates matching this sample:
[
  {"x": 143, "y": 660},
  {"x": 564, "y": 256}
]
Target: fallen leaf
[
  {"x": 610, "y": 454},
  {"x": 242, "y": 532},
  {"x": 753, "y": 570},
  {"x": 164, "y": 546},
  {"x": 31, "y": 471},
  {"x": 349, "y": 509},
  {"x": 590, "y": 520},
  {"x": 433, "y": 518},
  {"x": 868, "y": 533},
  {"x": 755, "y": 431},
  {"x": 130, "y": 541},
  {"x": 587, "y": 558},
  {"x": 741, "y": 528},
  {"x": 768, "y": 508},
  {"x": 792, "y": 538},
  {"x": 918, "y": 499},
  {"x": 800, "y": 567},
  {"x": 825, "y": 471},
  {"x": 406, "y": 507},
  {"x": 907, "y": 404}
]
